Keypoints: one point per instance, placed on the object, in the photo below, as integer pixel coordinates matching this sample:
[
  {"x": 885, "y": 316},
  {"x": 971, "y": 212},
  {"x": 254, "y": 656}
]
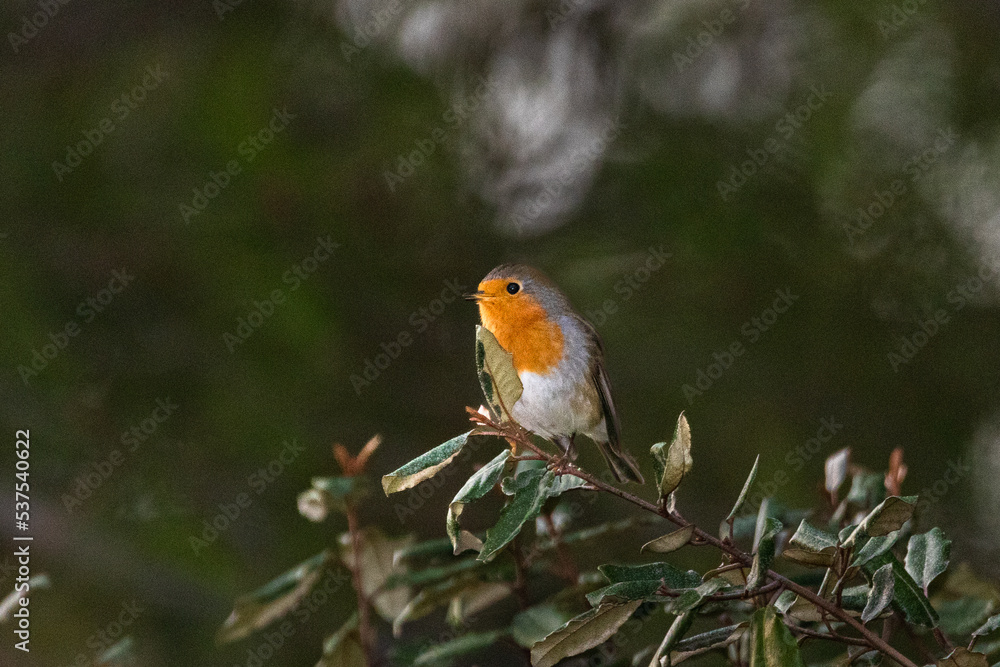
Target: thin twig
[
  {"x": 365, "y": 629},
  {"x": 806, "y": 632}
]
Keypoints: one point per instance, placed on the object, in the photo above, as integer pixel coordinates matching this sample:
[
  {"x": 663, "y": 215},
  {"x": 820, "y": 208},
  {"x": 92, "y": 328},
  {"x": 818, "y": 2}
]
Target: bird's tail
[{"x": 622, "y": 465}]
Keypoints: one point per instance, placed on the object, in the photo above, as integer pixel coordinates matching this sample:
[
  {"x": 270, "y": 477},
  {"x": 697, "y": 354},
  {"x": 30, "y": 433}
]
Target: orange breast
[{"x": 523, "y": 328}]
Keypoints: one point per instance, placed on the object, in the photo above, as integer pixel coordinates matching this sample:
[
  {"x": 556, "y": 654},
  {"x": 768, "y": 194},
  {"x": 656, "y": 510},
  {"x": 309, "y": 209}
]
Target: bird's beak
[{"x": 478, "y": 295}]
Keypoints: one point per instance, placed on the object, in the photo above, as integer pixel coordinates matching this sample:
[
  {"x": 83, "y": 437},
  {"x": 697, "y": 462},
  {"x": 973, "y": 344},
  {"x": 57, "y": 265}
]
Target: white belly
[{"x": 557, "y": 404}]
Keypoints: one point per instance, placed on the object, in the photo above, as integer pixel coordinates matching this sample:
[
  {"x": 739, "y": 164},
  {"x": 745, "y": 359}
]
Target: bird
[{"x": 559, "y": 359}]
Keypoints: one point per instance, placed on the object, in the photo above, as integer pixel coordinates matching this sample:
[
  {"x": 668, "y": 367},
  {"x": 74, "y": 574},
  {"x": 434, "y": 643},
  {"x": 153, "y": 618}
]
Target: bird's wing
[{"x": 602, "y": 383}]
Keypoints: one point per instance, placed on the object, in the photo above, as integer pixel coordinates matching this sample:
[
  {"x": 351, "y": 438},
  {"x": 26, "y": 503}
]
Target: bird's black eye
[{"x": 512, "y": 288}]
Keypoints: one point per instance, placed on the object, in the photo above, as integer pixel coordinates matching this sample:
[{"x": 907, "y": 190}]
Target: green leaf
[
  {"x": 962, "y": 657},
  {"x": 474, "y": 599},
  {"x": 835, "y": 469},
  {"x": 584, "y": 632},
  {"x": 961, "y": 617},
  {"x": 907, "y": 595},
  {"x": 889, "y": 516},
  {"x": 530, "y": 491},
  {"x": 343, "y": 648},
  {"x": 670, "y": 542},
  {"x": 424, "y": 466},
  {"x": 674, "y": 462},
  {"x": 378, "y": 566},
  {"x": 665, "y": 572},
  {"x": 475, "y": 488},
  {"x": 693, "y": 597},
  {"x": 495, "y": 366},
  {"x": 624, "y": 591},
  {"x": 867, "y": 489},
  {"x": 705, "y": 642},
  {"x": 272, "y": 600},
  {"x": 991, "y": 624},
  {"x": 535, "y": 623},
  {"x": 330, "y": 494},
  {"x": 880, "y": 596},
  {"x": 812, "y": 539},
  {"x": 764, "y": 552},
  {"x": 468, "y": 643},
  {"x": 927, "y": 556},
  {"x": 811, "y": 547},
  {"x": 430, "y": 598},
  {"x": 874, "y": 546},
  {"x": 745, "y": 492},
  {"x": 772, "y": 643},
  {"x": 677, "y": 629}
]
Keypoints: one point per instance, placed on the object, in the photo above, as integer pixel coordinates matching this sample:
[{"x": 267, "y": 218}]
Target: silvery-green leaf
[
  {"x": 378, "y": 565},
  {"x": 889, "y": 516},
  {"x": 424, "y": 466},
  {"x": 501, "y": 385},
  {"x": 669, "y": 542},
  {"x": 927, "y": 556},
  {"x": 583, "y": 633},
  {"x": 764, "y": 553},
  {"x": 674, "y": 462},
  {"x": 273, "y": 600},
  {"x": 907, "y": 595},
  {"x": 467, "y": 643},
  {"x": 836, "y": 469},
  {"x": 343, "y": 648},
  {"x": 746, "y": 490},
  {"x": 881, "y": 593},
  {"x": 962, "y": 657},
  {"x": 665, "y": 572},
  {"x": 873, "y": 546},
  {"x": 535, "y": 623},
  {"x": 475, "y": 488},
  {"x": 530, "y": 491},
  {"x": 991, "y": 624},
  {"x": 772, "y": 643}
]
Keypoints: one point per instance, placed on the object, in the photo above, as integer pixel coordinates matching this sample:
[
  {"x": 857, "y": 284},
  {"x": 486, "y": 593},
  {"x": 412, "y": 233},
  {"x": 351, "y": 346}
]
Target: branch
[
  {"x": 517, "y": 433},
  {"x": 365, "y": 629}
]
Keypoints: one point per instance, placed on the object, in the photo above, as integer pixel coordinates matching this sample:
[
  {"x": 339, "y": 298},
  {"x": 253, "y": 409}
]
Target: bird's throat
[{"x": 534, "y": 341}]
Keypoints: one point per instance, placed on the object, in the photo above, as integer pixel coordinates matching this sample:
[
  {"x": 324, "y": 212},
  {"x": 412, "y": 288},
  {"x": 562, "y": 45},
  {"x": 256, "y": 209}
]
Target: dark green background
[{"x": 324, "y": 175}]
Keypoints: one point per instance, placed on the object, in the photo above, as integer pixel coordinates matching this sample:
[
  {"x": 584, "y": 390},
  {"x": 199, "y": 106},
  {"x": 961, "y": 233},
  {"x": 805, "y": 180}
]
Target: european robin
[{"x": 559, "y": 359}]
